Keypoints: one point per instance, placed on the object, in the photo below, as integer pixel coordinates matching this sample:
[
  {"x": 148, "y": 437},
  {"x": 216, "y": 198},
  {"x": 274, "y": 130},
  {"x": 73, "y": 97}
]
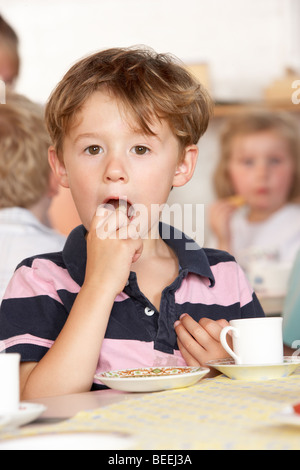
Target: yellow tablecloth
[{"x": 216, "y": 413}]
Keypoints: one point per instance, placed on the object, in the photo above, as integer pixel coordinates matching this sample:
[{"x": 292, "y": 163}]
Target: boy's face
[{"x": 105, "y": 159}]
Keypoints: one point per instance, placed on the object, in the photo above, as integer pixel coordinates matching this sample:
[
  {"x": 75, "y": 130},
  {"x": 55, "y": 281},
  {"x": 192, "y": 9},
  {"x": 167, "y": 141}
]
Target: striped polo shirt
[{"x": 42, "y": 291}]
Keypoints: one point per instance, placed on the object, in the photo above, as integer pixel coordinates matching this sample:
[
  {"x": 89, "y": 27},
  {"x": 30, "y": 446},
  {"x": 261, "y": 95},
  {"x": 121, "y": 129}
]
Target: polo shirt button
[{"x": 149, "y": 312}]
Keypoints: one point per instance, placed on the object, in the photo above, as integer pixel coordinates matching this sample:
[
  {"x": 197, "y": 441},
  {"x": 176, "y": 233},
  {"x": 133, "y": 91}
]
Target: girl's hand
[
  {"x": 200, "y": 342},
  {"x": 113, "y": 244}
]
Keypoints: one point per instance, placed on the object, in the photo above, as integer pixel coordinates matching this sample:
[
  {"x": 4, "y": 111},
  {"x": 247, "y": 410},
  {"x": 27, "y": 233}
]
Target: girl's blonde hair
[
  {"x": 249, "y": 123},
  {"x": 148, "y": 84},
  {"x": 24, "y": 143}
]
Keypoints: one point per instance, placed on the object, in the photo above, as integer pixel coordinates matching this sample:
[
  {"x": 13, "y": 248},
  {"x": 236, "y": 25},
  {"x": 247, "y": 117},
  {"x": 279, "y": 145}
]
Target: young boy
[{"x": 124, "y": 125}]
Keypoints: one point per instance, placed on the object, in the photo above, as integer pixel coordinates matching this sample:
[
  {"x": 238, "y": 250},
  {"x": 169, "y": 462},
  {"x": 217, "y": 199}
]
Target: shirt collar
[
  {"x": 191, "y": 256},
  {"x": 74, "y": 254}
]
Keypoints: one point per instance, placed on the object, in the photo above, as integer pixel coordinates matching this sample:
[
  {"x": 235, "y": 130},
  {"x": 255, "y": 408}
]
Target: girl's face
[{"x": 261, "y": 169}]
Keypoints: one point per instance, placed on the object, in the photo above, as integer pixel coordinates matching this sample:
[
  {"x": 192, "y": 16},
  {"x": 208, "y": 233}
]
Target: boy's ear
[
  {"x": 58, "y": 167},
  {"x": 186, "y": 166},
  {"x": 53, "y": 185}
]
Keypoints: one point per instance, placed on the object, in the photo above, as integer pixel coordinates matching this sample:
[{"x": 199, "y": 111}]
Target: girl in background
[{"x": 257, "y": 182}]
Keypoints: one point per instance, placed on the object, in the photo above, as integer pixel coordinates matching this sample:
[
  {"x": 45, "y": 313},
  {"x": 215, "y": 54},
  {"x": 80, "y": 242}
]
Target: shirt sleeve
[{"x": 32, "y": 313}]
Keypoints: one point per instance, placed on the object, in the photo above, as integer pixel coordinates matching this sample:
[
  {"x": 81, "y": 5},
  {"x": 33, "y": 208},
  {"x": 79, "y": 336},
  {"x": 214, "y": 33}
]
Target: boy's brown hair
[
  {"x": 255, "y": 121},
  {"x": 24, "y": 142},
  {"x": 148, "y": 84}
]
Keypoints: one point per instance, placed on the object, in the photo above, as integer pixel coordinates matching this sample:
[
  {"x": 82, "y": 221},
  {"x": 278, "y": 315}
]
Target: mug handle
[{"x": 224, "y": 343}]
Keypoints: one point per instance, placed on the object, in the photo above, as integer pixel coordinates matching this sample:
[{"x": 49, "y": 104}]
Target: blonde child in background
[
  {"x": 257, "y": 181},
  {"x": 27, "y": 186},
  {"x": 9, "y": 55}
]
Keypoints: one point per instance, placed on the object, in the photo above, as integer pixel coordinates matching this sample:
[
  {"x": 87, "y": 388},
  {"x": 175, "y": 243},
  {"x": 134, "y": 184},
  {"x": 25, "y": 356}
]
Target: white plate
[
  {"x": 152, "y": 379},
  {"x": 70, "y": 441},
  {"x": 256, "y": 372},
  {"x": 26, "y": 413},
  {"x": 288, "y": 416}
]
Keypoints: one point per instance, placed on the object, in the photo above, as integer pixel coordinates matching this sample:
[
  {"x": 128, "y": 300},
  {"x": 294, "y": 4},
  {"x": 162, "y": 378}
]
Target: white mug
[
  {"x": 256, "y": 341},
  {"x": 10, "y": 382}
]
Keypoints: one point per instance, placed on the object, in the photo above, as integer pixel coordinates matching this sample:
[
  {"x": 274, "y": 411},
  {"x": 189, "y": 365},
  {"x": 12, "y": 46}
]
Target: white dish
[
  {"x": 26, "y": 413},
  {"x": 152, "y": 379},
  {"x": 256, "y": 372},
  {"x": 70, "y": 441},
  {"x": 288, "y": 416}
]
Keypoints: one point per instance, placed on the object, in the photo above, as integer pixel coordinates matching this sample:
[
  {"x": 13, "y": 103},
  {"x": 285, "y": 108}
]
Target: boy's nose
[{"x": 115, "y": 171}]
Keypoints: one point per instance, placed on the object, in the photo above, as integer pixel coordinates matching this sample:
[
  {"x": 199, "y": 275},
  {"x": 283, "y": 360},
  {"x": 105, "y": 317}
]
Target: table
[
  {"x": 67, "y": 406},
  {"x": 217, "y": 413}
]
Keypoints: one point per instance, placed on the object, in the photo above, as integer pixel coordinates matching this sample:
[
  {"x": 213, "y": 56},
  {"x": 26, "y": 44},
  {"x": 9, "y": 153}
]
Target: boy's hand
[
  {"x": 113, "y": 244},
  {"x": 200, "y": 342}
]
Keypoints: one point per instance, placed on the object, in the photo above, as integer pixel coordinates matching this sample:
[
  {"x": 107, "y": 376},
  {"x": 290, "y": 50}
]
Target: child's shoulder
[
  {"x": 40, "y": 276},
  {"x": 55, "y": 257},
  {"x": 290, "y": 210},
  {"x": 216, "y": 256},
  {"x": 75, "y": 243}
]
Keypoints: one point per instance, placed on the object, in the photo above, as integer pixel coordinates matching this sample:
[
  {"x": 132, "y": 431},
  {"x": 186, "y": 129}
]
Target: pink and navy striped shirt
[{"x": 42, "y": 291}]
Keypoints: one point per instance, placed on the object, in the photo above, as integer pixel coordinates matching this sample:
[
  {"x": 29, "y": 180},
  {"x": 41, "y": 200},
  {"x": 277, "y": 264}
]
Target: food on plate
[{"x": 150, "y": 372}]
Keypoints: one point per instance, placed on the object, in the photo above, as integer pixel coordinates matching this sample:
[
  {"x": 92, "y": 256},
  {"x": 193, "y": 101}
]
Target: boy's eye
[
  {"x": 93, "y": 149},
  {"x": 140, "y": 149}
]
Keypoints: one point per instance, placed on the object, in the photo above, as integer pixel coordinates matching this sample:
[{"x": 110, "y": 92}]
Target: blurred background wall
[{"x": 245, "y": 48}]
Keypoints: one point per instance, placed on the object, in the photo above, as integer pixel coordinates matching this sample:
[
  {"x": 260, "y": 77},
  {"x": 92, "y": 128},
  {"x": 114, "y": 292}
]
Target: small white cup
[
  {"x": 10, "y": 383},
  {"x": 256, "y": 341}
]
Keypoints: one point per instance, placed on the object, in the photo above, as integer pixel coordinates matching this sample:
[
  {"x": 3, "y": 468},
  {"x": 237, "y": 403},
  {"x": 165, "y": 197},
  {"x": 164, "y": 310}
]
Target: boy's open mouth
[{"x": 117, "y": 203}]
